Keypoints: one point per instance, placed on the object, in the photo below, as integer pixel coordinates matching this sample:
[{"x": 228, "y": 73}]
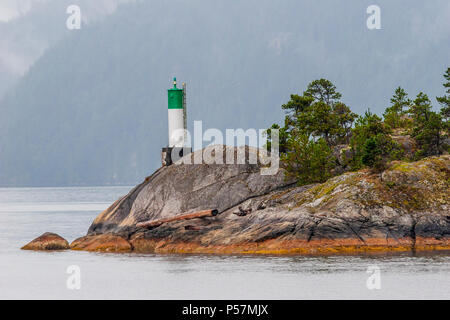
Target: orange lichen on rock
[
  {"x": 47, "y": 242},
  {"x": 102, "y": 243},
  {"x": 268, "y": 247}
]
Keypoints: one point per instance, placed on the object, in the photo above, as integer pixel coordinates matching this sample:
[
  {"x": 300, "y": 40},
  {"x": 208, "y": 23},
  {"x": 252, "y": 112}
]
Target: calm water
[{"x": 26, "y": 213}]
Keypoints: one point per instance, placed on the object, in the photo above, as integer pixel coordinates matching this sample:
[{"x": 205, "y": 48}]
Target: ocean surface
[{"x": 26, "y": 213}]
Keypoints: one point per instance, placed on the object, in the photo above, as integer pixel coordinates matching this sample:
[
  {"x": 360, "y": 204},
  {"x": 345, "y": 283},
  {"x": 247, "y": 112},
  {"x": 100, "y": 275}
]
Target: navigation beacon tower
[{"x": 177, "y": 125}]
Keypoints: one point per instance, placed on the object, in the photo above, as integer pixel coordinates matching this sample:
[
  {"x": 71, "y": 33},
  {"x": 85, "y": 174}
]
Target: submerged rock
[
  {"x": 47, "y": 241},
  {"x": 405, "y": 208}
]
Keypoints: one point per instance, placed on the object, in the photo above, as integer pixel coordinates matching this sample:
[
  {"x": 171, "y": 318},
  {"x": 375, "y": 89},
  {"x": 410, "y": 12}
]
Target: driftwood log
[{"x": 184, "y": 216}]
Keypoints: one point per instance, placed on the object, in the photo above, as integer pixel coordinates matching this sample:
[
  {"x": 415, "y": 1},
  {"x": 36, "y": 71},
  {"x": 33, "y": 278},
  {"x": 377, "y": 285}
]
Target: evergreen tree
[
  {"x": 297, "y": 104},
  {"x": 315, "y": 122},
  {"x": 420, "y": 110},
  {"x": 427, "y": 127},
  {"x": 323, "y": 90},
  {"x": 393, "y": 116},
  {"x": 318, "y": 113},
  {"x": 444, "y": 101},
  {"x": 282, "y": 138},
  {"x": 308, "y": 161},
  {"x": 345, "y": 118},
  {"x": 378, "y": 150},
  {"x": 371, "y": 144}
]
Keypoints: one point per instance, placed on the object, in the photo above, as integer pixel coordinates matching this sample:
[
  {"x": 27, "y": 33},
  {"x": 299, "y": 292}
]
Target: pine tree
[
  {"x": 421, "y": 108},
  {"x": 444, "y": 101},
  {"x": 393, "y": 116},
  {"x": 323, "y": 90},
  {"x": 308, "y": 161},
  {"x": 371, "y": 144},
  {"x": 427, "y": 127}
]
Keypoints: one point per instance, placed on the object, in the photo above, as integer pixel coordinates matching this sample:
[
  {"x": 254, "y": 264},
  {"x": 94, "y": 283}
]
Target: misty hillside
[{"x": 93, "y": 111}]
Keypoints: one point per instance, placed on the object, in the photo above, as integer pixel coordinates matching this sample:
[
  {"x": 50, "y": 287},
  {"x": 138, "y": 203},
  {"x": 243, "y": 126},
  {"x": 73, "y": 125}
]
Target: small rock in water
[{"x": 47, "y": 241}]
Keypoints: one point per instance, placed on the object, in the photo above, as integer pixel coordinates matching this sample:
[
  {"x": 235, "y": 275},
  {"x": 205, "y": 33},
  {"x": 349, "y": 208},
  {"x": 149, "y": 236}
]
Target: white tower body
[{"x": 176, "y": 128}]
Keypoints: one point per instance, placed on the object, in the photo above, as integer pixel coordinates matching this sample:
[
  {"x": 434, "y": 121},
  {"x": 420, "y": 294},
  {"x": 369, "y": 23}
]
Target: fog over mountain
[
  {"x": 92, "y": 109},
  {"x": 29, "y": 27}
]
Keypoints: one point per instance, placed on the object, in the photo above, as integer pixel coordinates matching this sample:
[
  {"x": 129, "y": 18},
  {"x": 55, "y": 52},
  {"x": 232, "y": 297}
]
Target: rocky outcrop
[
  {"x": 404, "y": 208},
  {"x": 190, "y": 187},
  {"x": 406, "y": 143},
  {"x": 46, "y": 242}
]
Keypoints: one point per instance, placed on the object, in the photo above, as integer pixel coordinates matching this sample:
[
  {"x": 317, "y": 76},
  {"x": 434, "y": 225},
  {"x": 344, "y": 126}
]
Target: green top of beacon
[{"x": 175, "y": 96}]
